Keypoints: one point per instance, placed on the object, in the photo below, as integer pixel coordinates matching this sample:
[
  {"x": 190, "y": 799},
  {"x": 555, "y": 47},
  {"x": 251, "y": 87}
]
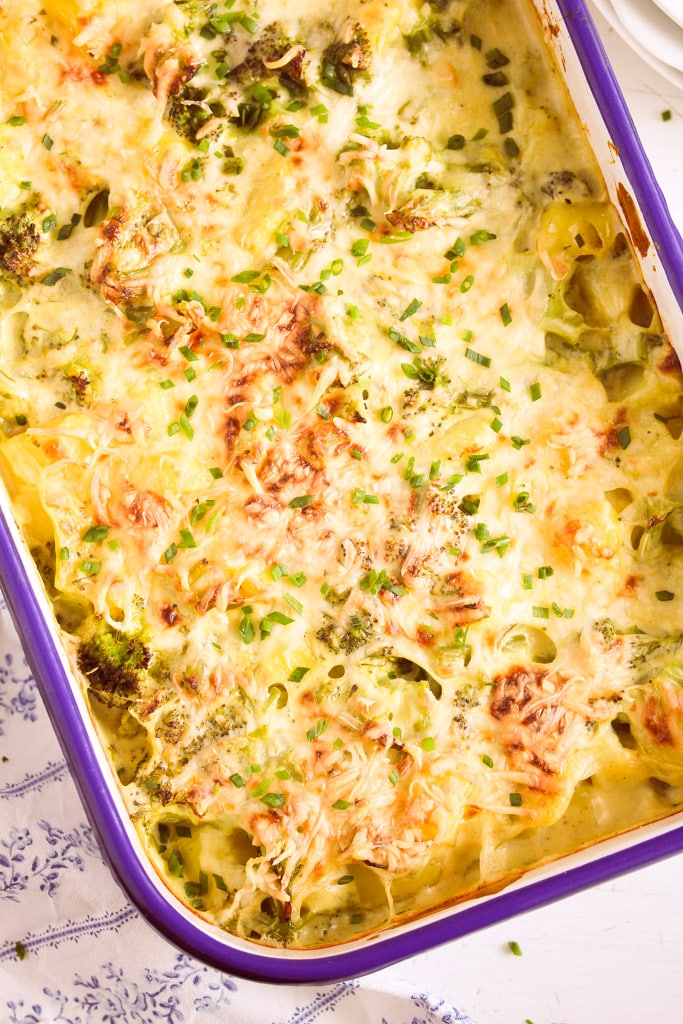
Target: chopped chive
[
  {"x": 502, "y": 479},
  {"x": 294, "y": 604},
  {"x": 481, "y": 236},
  {"x": 428, "y": 743},
  {"x": 246, "y": 626},
  {"x": 477, "y": 357},
  {"x": 266, "y": 624},
  {"x": 94, "y": 534},
  {"x": 496, "y": 59},
  {"x": 540, "y": 612},
  {"x": 514, "y": 947},
  {"x": 341, "y": 805},
  {"x": 186, "y": 426},
  {"x": 545, "y": 572},
  {"x": 664, "y": 595},
  {"x": 488, "y": 761},
  {"x": 170, "y": 553},
  {"x": 317, "y": 730},
  {"x": 519, "y": 442},
  {"x": 297, "y": 674},
  {"x": 467, "y": 283},
  {"x": 410, "y": 309},
  {"x": 175, "y": 864},
  {"x": 624, "y": 437},
  {"x": 505, "y": 314},
  {"x": 55, "y": 275},
  {"x": 302, "y": 501},
  {"x": 273, "y": 799},
  {"x": 237, "y": 780},
  {"x": 393, "y": 778},
  {"x": 535, "y": 391},
  {"x": 90, "y": 567},
  {"x": 515, "y": 799},
  {"x": 47, "y": 142}
]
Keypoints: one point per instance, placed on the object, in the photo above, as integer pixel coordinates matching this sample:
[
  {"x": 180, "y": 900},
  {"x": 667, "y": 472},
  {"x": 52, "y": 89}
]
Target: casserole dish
[{"x": 636, "y": 196}]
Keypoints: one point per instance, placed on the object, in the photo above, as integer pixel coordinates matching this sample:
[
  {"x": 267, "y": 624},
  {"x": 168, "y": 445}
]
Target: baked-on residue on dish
[{"x": 345, "y": 438}]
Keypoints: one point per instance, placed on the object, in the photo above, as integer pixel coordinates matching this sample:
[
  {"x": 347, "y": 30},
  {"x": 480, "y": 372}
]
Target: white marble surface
[{"x": 613, "y": 954}]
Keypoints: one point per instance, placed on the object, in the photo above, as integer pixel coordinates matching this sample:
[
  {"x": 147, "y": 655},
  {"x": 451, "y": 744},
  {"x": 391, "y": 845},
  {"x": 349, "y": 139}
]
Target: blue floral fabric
[{"x": 72, "y": 948}]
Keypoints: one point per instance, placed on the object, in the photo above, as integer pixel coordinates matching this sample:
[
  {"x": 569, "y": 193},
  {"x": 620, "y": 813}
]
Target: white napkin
[{"x": 72, "y": 948}]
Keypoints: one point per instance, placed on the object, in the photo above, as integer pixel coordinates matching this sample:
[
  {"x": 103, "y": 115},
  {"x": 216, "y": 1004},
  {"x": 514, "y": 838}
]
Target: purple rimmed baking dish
[{"x": 632, "y": 187}]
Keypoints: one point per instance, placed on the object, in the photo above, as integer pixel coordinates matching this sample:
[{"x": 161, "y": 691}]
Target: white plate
[
  {"x": 653, "y": 29},
  {"x": 671, "y": 74},
  {"x": 673, "y": 8}
]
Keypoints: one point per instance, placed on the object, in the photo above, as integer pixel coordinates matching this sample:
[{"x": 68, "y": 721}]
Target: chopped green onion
[
  {"x": 317, "y": 730},
  {"x": 55, "y": 275},
  {"x": 477, "y": 357},
  {"x": 479, "y": 237},
  {"x": 273, "y": 799},
  {"x": 624, "y": 437},
  {"x": 410, "y": 309},
  {"x": 302, "y": 501}
]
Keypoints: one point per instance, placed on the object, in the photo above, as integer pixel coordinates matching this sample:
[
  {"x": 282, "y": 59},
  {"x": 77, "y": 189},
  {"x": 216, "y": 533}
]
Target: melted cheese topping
[{"x": 346, "y": 440}]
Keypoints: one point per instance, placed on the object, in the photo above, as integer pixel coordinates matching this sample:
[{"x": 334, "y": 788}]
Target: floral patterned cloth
[{"x": 72, "y": 948}]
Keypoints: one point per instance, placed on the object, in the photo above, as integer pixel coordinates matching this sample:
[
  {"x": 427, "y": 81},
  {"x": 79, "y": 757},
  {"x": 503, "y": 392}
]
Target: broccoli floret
[
  {"x": 190, "y": 110},
  {"x": 641, "y": 649},
  {"x": 432, "y": 27},
  {"x": 357, "y": 632},
  {"x": 345, "y": 59},
  {"x": 19, "y": 241},
  {"x": 196, "y": 12},
  {"x": 270, "y": 47},
  {"x": 114, "y": 665}
]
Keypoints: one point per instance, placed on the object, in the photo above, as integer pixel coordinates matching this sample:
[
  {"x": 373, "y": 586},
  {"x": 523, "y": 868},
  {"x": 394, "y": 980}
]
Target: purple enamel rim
[
  {"x": 124, "y": 856},
  {"x": 617, "y": 117}
]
